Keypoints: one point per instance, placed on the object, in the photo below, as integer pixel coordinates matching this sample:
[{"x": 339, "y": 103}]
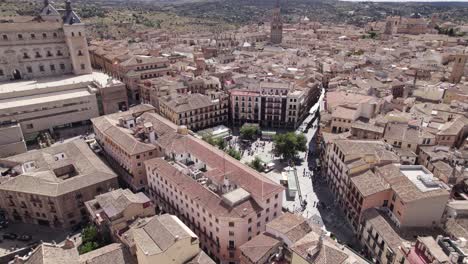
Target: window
[
  {"x": 83, "y": 66},
  {"x": 231, "y": 233},
  {"x": 44, "y": 35},
  {"x": 29, "y": 126},
  {"x": 52, "y": 67},
  {"x": 55, "y": 35},
  {"x": 59, "y": 53},
  {"x": 41, "y": 68},
  {"x": 1, "y": 72},
  {"x": 79, "y": 33},
  {"x": 231, "y": 224},
  {"x": 5, "y": 37},
  {"x": 25, "y": 55},
  {"x": 20, "y": 37},
  {"x": 231, "y": 254},
  {"x": 49, "y": 54},
  {"x": 268, "y": 200},
  {"x": 62, "y": 66},
  {"x": 38, "y": 55},
  {"x": 250, "y": 220},
  {"x": 80, "y": 53},
  {"x": 33, "y": 36},
  {"x": 73, "y": 34}
]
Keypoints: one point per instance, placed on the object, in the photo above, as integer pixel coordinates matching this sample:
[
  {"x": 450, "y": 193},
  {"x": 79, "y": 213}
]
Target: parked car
[
  {"x": 10, "y": 236},
  {"x": 25, "y": 238}
]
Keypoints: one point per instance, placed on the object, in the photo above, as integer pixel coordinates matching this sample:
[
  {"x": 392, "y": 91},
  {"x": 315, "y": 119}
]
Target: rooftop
[
  {"x": 412, "y": 182},
  {"x": 115, "y": 202},
  {"x": 368, "y": 183},
  {"x": 293, "y": 226},
  {"x": 55, "y": 170},
  {"x": 160, "y": 233},
  {"x": 259, "y": 247},
  {"x": 56, "y": 81}
]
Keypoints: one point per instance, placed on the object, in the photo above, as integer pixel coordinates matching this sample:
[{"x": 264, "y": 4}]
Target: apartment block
[
  {"x": 114, "y": 211},
  {"x": 164, "y": 239},
  {"x": 195, "y": 111},
  {"x": 345, "y": 159},
  {"x": 50, "y": 186},
  {"x": 127, "y": 143},
  {"x": 272, "y": 104},
  {"x": 292, "y": 239},
  {"x": 410, "y": 194}
]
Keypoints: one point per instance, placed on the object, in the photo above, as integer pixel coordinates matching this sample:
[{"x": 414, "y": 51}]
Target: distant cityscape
[{"x": 288, "y": 141}]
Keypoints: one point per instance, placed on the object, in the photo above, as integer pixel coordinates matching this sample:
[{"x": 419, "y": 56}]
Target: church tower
[
  {"x": 75, "y": 38},
  {"x": 458, "y": 68},
  {"x": 276, "y": 33}
]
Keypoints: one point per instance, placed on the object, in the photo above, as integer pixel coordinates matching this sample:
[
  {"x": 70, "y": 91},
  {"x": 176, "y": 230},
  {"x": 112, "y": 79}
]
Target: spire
[
  {"x": 68, "y": 6},
  {"x": 46, "y": 3}
]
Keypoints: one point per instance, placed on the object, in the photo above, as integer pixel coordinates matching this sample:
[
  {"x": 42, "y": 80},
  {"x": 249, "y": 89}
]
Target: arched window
[
  {"x": 73, "y": 34},
  {"x": 80, "y": 53},
  {"x": 44, "y": 35}
]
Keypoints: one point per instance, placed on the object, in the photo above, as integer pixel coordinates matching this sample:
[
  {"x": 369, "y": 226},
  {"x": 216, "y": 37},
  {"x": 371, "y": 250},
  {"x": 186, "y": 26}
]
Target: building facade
[
  {"x": 54, "y": 43},
  {"x": 272, "y": 104},
  {"x": 196, "y": 111},
  {"x": 50, "y": 186}
]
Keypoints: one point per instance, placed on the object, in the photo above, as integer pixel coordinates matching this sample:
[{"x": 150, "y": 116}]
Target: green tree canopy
[
  {"x": 234, "y": 153},
  {"x": 257, "y": 164},
  {"x": 89, "y": 234},
  {"x": 87, "y": 247},
  {"x": 248, "y": 132},
  {"x": 289, "y": 144}
]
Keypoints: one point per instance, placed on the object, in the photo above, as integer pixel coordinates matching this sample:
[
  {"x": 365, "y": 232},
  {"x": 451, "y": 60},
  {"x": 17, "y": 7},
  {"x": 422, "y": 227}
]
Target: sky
[{"x": 407, "y": 0}]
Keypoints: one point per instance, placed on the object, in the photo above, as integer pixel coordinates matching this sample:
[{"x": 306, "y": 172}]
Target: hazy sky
[{"x": 407, "y": 0}]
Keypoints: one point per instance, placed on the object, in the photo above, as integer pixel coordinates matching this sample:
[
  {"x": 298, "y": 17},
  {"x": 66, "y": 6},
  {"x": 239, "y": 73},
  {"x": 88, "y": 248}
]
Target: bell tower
[
  {"x": 458, "y": 68},
  {"x": 276, "y": 32}
]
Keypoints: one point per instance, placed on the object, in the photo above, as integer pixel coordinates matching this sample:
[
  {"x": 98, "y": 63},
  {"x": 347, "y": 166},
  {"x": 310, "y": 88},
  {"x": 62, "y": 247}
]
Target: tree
[
  {"x": 234, "y": 153},
  {"x": 221, "y": 143},
  {"x": 257, "y": 164},
  {"x": 89, "y": 234},
  {"x": 248, "y": 132},
  {"x": 87, "y": 247},
  {"x": 289, "y": 144}
]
